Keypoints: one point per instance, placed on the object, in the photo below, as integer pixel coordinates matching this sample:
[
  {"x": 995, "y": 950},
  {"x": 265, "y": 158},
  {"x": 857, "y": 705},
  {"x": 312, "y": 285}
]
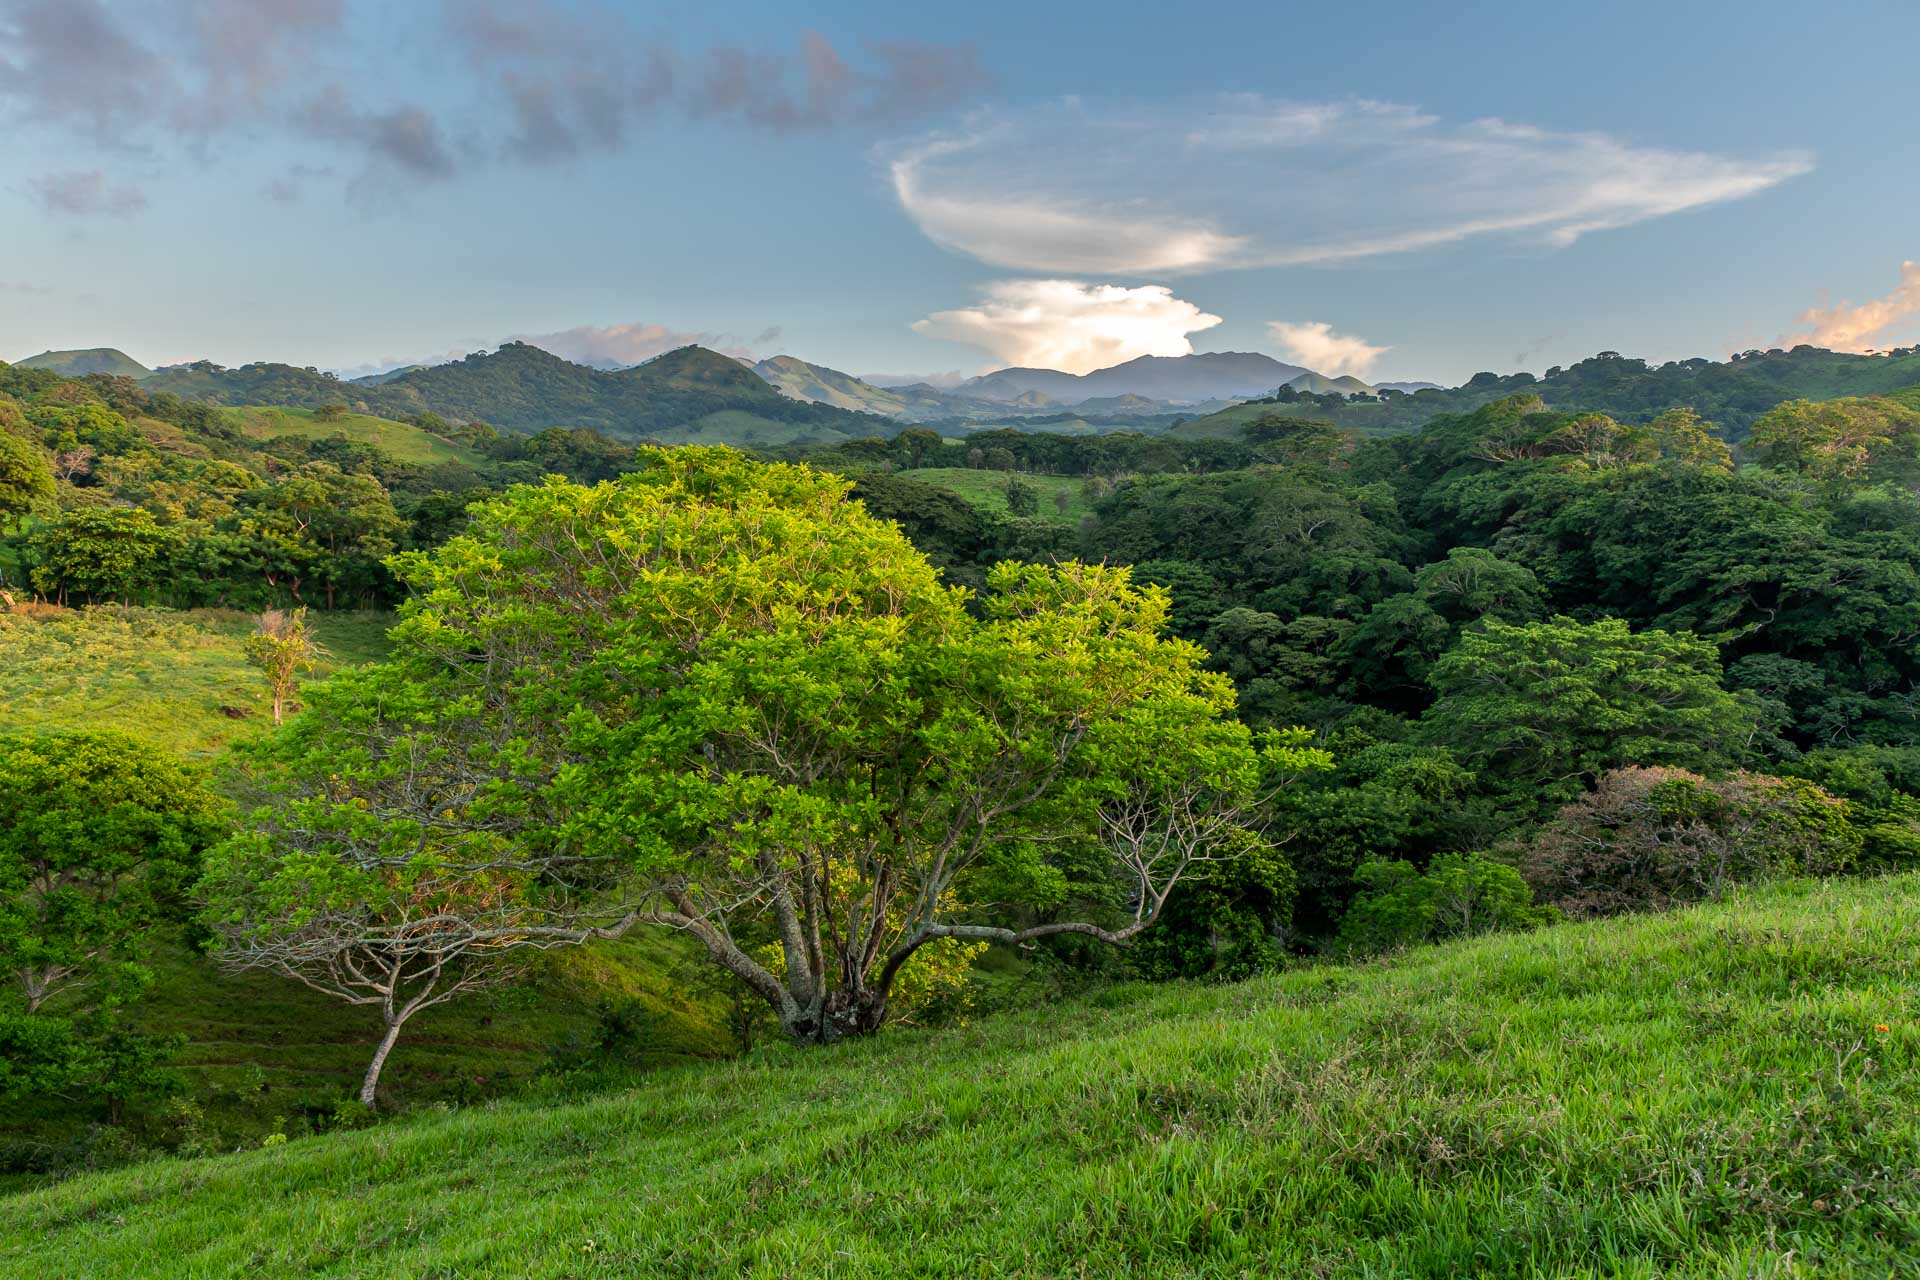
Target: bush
[
  {"x": 1459, "y": 896},
  {"x": 1646, "y": 839}
]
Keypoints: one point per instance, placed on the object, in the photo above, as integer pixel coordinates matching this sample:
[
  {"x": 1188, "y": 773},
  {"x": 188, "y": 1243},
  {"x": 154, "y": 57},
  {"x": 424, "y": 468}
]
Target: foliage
[
  {"x": 1649, "y": 838},
  {"x": 103, "y": 836},
  {"x": 284, "y": 649},
  {"x": 1458, "y": 896},
  {"x": 764, "y": 701},
  {"x": 1543, "y": 708}
]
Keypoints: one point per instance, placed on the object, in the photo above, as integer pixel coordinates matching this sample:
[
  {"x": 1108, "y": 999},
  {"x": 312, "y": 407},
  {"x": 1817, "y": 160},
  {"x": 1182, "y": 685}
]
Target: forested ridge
[
  {"x": 523, "y": 388},
  {"x": 902, "y": 729}
]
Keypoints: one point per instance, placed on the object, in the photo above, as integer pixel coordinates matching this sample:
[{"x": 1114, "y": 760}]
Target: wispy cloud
[
  {"x": 1070, "y": 325},
  {"x": 87, "y": 193},
  {"x": 1247, "y": 182},
  {"x": 1845, "y": 327},
  {"x": 547, "y": 79},
  {"x": 1315, "y": 345}
]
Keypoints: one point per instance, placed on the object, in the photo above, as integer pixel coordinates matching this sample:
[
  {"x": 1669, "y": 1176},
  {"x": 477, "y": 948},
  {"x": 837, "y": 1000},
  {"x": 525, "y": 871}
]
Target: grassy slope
[
  {"x": 988, "y": 489},
  {"x": 154, "y": 673},
  {"x": 1700, "y": 1094},
  {"x": 402, "y": 441}
]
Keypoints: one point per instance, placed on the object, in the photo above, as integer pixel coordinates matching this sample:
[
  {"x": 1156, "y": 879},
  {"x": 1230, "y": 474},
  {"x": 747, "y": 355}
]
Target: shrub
[
  {"x": 1459, "y": 896},
  {"x": 1651, "y": 838}
]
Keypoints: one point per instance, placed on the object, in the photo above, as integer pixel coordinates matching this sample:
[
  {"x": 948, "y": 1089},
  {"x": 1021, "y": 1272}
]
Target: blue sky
[{"x": 1400, "y": 190}]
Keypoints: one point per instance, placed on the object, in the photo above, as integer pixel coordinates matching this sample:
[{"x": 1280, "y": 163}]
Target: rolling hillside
[
  {"x": 78, "y": 364},
  {"x": 1725, "y": 1091},
  {"x": 400, "y": 440},
  {"x": 691, "y": 393}
]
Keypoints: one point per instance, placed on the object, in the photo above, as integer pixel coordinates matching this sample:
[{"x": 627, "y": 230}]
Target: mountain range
[
  {"x": 693, "y": 394},
  {"x": 1212, "y": 375}
]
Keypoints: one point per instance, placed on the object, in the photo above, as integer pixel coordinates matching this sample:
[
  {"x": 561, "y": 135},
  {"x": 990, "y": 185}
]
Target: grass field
[
  {"x": 157, "y": 674},
  {"x": 405, "y": 443},
  {"x": 988, "y": 489},
  {"x": 1731, "y": 1091}
]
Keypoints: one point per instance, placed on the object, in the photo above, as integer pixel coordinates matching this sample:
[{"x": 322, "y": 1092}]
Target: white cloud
[
  {"x": 1315, "y": 345},
  {"x": 1249, "y": 182},
  {"x": 1849, "y": 328},
  {"x": 1071, "y": 326}
]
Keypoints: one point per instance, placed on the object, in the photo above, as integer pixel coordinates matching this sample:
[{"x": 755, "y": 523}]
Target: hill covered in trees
[
  {"x": 1731, "y": 393},
  {"x": 689, "y": 394}
]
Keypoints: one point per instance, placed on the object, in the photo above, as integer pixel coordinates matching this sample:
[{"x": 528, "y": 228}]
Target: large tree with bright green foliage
[
  {"x": 726, "y": 695},
  {"x": 1543, "y": 709}
]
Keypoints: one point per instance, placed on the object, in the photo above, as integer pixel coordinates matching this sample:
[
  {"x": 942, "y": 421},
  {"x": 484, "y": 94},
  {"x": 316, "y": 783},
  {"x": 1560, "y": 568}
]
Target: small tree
[
  {"x": 388, "y": 872},
  {"x": 284, "y": 649},
  {"x": 330, "y": 412},
  {"x": 101, "y": 838},
  {"x": 1022, "y": 498}
]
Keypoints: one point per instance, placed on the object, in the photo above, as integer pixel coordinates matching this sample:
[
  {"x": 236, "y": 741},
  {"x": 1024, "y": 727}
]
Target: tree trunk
[{"x": 372, "y": 1082}]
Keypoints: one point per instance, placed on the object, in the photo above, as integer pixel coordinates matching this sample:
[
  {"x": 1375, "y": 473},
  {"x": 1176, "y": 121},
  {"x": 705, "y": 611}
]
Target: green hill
[
  {"x": 399, "y": 440},
  {"x": 821, "y": 385},
  {"x": 1721, "y": 1092},
  {"x": 78, "y": 364},
  {"x": 688, "y": 394},
  {"x": 1730, "y": 393}
]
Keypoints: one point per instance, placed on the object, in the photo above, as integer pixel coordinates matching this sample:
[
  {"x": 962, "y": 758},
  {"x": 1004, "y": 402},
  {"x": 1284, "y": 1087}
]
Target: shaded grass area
[
  {"x": 1699, "y": 1094},
  {"x": 265, "y": 1054},
  {"x": 178, "y": 679},
  {"x": 400, "y": 440},
  {"x": 987, "y": 490}
]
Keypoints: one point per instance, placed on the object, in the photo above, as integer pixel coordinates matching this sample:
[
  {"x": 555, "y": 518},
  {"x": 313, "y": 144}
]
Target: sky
[{"x": 1395, "y": 190}]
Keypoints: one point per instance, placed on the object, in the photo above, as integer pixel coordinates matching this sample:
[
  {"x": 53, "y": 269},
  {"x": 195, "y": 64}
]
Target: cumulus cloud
[
  {"x": 616, "y": 346},
  {"x": 1315, "y": 345},
  {"x": 1846, "y": 327},
  {"x": 1070, "y": 325},
  {"x": 88, "y": 193},
  {"x": 1250, "y": 182}
]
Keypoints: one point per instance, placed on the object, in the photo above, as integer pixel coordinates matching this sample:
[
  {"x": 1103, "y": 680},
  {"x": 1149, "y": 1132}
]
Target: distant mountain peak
[{"x": 83, "y": 361}]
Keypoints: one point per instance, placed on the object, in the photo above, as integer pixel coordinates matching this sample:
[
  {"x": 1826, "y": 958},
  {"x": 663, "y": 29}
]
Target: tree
[
  {"x": 284, "y": 649},
  {"x": 333, "y": 411},
  {"x": 1022, "y": 498},
  {"x": 102, "y": 838},
  {"x": 1834, "y": 439},
  {"x": 761, "y": 703},
  {"x": 1458, "y": 896},
  {"x": 26, "y": 481},
  {"x": 920, "y": 445},
  {"x": 1544, "y": 708},
  {"x": 99, "y": 553}
]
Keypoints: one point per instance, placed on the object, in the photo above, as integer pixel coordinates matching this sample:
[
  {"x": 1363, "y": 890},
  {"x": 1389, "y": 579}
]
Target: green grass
[
  {"x": 400, "y": 440},
  {"x": 161, "y": 675},
  {"x": 1698, "y": 1094},
  {"x": 987, "y": 490}
]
